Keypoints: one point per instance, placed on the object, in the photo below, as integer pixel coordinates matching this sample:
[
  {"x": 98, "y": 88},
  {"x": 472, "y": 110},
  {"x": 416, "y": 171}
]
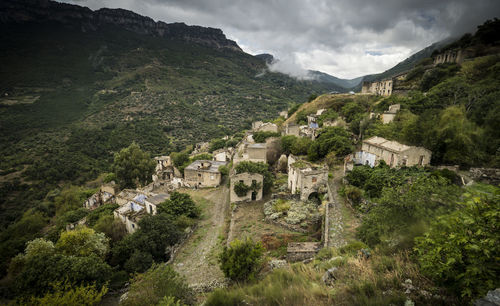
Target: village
[{"x": 301, "y": 212}]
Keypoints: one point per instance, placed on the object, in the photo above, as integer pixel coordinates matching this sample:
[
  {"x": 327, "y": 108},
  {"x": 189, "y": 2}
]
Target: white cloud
[{"x": 333, "y": 36}]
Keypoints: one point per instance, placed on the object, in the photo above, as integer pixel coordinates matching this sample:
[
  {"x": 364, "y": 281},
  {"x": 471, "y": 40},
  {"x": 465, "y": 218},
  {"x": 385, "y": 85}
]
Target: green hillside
[{"x": 95, "y": 92}]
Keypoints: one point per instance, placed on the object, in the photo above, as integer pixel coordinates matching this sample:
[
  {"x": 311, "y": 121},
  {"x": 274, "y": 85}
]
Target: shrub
[
  {"x": 240, "y": 261},
  {"x": 354, "y": 194},
  {"x": 261, "y": 137},
  {"x": 461, "y": 248},
  {"x": 160, "y": 281},
  {"x": 179, "y": 204},
  {"x": 281, "y": 205},
  {"x": 65, "y": 293}
]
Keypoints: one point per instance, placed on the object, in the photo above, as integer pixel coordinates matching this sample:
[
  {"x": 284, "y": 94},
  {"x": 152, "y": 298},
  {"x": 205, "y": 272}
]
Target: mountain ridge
[{"x": 39, "y": 11}]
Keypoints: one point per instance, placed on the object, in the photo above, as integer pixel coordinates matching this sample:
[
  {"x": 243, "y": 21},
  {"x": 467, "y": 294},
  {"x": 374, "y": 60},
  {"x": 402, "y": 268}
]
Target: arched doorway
[{"x": 314, "y": 196}]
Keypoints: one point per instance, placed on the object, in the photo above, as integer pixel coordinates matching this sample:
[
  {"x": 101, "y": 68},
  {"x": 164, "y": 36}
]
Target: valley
[{"x": 153, "y": 163}]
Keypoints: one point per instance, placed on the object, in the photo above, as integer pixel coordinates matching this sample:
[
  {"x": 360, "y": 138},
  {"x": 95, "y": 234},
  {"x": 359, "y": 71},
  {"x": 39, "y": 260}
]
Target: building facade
[
  {"x": 203, "y": 173},
  {"x": 394, "y": 154},
  {"x": 249, "y": 179}
]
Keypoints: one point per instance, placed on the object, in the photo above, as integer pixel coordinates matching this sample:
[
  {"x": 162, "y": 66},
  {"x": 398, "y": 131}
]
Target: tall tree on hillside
[{"x": 133, "y": 166}]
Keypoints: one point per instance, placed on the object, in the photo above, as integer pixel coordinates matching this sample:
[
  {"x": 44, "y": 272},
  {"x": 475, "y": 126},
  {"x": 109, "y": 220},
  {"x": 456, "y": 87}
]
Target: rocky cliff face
[{"x": 84, "y": 19}]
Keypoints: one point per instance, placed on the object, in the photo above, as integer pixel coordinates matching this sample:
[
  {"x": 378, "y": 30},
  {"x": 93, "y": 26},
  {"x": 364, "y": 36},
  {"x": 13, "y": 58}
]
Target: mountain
[
  {"x": 405, "y": 65},
  {"x": 78, "y": 85},
  {"x": 326, "y": 78}
]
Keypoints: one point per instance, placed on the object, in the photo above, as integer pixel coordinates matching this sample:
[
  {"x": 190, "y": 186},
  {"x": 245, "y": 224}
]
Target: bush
[
  {"x": 261, "y": 137},
  {"x": 354, "y": 194},
  {"x": 158, "y": 282},
  {"x": 179, "y": 204},
  {"x": 461, "y": 248},
  {"x": 239, "y": 262}
]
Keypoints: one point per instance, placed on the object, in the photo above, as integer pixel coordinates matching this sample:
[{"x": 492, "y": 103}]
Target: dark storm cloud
[{"x": 346, "y": 38}]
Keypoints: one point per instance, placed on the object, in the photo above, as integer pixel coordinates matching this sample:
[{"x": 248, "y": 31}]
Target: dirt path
[
  {"x": 197, "y": 259},
  {"x": 336, "y": 221}
]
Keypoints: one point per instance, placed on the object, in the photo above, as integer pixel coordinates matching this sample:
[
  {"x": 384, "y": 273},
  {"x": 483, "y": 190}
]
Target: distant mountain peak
[{"x": 41, "y": 11}]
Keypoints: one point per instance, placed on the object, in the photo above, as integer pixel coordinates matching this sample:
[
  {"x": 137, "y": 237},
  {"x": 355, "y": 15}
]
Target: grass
[{"x": 378, "y": 280}]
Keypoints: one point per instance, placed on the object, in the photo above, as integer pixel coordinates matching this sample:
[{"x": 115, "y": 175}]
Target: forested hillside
[{"x": 72, "y": 95}]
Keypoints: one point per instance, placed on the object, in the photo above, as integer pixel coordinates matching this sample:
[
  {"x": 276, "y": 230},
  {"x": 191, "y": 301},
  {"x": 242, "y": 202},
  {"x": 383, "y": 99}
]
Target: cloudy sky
[{"x": 345, "y": 38}]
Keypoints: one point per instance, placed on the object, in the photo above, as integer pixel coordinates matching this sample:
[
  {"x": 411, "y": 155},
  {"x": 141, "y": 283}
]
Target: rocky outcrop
[{"x": 84, "y": 19}]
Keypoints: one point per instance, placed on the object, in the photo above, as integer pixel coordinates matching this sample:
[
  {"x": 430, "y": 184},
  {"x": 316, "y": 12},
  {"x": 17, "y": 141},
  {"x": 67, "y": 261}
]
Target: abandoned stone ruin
[
  {"x": 393, "y": 153},
  {"x": 203, "y": 173},
  {"x": 306, "y": 179},
  {"x": 246, "y": 187}
]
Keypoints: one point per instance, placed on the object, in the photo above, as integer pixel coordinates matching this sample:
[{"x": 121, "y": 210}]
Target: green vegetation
[
  {"x": 160, "y": 283},
  {"x": 133, "y": 167},
  {"x": 331, "y": 139},
  {"x": 261, "y": 137},
  {"x": 461, "y": 249},
  {"x": 240, "y": 261},
  {"x": 66, "y": 294},
  {"x": 241, "y": 189},
  {"x": 179, "y": 204}
]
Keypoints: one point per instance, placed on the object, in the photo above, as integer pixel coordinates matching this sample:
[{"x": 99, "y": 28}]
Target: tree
[
  {"x": 301, "y": 146},
  {"x": 155, "y": 234},
  {"x": 159, "y": 282},
  {"x": 133, "y": 166},
  {"x": 65, "y": 293},
  {"x": 331, "y": 139},
  {"x": 240, "y": 261},
  {"x": 111, "y": 227},
  {"x": 179, "y": 204},
  {"x": 403, "y": 211},
  {"x": 83, "y": 242},
  {"x": 287, "y": 142},
  {"x": 461, "y": 248}
]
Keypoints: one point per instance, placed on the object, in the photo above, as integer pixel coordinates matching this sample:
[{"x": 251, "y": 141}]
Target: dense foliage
[
  {"x": 133, "y": 167},
  {"x": 461, "y": 248},
  {"x": 156, "y": 284},
  {"x": 261, "y": 137},
  {"x": 240, "y": 261},
  {"x": 179, "y": 204}
]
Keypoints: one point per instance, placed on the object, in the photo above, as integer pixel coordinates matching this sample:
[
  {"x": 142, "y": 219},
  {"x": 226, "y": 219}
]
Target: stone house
[
  {"x": 389, "y": 115},
  {"x": 130, "y": 214},
  {"x": 284, "y": 114},
  {"x": 292, "y": 128},
  {"x": 105, "y": 195},
  {"x": 135, "y": 204},
  {"x": 151, "y": 203},
  {"x": 450, "y": 56},
  {"x": 393, "y": 153},
  {"x": 298, "y": 251},
  {"x": 165, "y": 170},
  {"x": 249, "y": 179},
  {"x": 382, "y": 88},
  {"x": 203, "y": 173},
  {"x": 307, "y": 179},
  {"x": 260, "y": 126},
  {"x": 222, "y": 155}
]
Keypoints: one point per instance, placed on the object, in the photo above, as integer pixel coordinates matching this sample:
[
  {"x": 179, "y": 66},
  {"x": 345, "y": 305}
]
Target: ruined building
[
  {"x": 394, "y": 154},
  {"x": 166, "y": 174},
  {"x": 385, "y": 87},
  {"x": 252, "y": 181},
  {"x": 389, "y": 115},
  {"x": 260, "y": 126},
  {"x": 305, "y": 178},
  {"x": 135, "y": 204},
  {"x": 203, "y": 173},
  {"x": 450, "y": 56},
  {"x": 105, "y": 195}
]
